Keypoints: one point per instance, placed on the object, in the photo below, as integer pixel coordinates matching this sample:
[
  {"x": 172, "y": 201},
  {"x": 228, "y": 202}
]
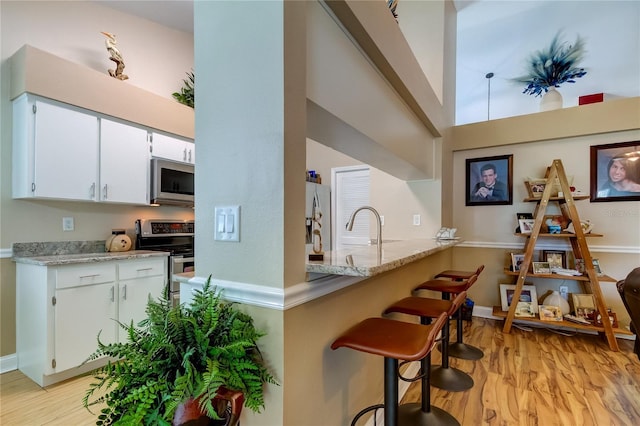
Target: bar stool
[
  {"x": 459, "y": 275},
  {"x": 444, "y": 376},
  {"x": 393, "y": 340},
  {"x": 424, "y": 413},
  {"x": 447, "y": 288}
]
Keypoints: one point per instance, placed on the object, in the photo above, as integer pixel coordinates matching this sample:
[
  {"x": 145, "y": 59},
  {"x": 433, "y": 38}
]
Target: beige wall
[{"x": 73, "y": 33}]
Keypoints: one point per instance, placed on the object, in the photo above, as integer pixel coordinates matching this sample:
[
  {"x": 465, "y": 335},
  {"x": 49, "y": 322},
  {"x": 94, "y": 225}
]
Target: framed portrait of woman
[{"x": 615, "y": 172}]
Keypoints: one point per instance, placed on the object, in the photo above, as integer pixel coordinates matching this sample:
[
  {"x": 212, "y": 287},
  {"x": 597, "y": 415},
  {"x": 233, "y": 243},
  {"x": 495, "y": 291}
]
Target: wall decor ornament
[
  {"x": 549, "y": 68},
  {"x": 115, "y": 55}
]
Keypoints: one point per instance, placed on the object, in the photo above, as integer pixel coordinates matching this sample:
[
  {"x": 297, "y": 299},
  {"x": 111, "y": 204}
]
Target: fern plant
[
  {"x": 177, "y": 353},
  {"x": 187, "y": 95}
]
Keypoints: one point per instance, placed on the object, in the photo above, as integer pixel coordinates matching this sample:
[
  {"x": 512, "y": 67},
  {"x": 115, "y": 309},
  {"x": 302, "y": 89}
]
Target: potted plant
[
  {"x": 186, "y": 95},
  {"x": 199, "y": 353},
  {"x": 547, "y": 69}
]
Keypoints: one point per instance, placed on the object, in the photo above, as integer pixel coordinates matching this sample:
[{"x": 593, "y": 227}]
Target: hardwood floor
[
  {"x": 525, "y": 378},
  {"x": 540, "y": 377}
]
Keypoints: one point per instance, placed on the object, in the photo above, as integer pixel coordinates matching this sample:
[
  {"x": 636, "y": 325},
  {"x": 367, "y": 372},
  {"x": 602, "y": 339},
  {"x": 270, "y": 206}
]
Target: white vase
[
  {"x": 554, "y": 299},
  {"x": 551, "y": 100}
]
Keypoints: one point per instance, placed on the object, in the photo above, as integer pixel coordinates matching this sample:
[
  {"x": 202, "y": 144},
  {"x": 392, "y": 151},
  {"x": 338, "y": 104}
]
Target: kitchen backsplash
[{"x": 55, "y": 248}]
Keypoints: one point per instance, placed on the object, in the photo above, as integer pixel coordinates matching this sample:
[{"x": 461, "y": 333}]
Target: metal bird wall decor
[{"x": 110, "y": 43}]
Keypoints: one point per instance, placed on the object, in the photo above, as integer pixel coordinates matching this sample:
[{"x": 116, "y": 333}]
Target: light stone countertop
[
  {"x": 365, "y": 261},
  {"x": 67, "y": 259}
]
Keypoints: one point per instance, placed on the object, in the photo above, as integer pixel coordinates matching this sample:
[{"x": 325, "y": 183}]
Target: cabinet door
[
  {"x": 80, "y": 314},
  {"x": 133, "y": 297},
  {"x": 124, "y": 163},
  {"x": 173, "y": 148},
  {"x": 65, "y": 154}
]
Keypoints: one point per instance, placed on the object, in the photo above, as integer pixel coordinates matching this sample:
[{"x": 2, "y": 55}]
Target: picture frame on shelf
[
  {"x": 583, "y": 305},
  {"x": 615, "y": 172},
  {"x": 555, "y": 258},
  {"x": 516, "y": 261},
  {"x": 596, "y": 267},
  {"x": 489, "y": 181},
  {"x": 579, "y": 265},
  {"x": 541, "y": 268},
  {"x": 554, "y": 223},
  {"x": 550, "y": 313},
  {"x": 528, "y": 295},
  {"x": 526, "y": 225},
  {"x": 535, "y": 187}
]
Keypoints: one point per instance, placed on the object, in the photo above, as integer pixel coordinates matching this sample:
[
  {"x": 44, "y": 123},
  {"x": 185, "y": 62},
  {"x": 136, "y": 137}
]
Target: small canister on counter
[{"x": 118, "y": 241}]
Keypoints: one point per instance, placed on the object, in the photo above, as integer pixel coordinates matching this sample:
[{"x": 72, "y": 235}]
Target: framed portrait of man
[
  {"x": 489, "y": 181},
  {"x": 615, "y": 172}
]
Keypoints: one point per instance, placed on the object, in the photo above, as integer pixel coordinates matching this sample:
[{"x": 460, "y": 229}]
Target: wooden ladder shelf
[{"x": 578, "y": 244}]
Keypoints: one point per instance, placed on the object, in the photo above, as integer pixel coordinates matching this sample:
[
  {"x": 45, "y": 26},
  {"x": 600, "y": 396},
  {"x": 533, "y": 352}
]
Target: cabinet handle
[
  {"x": 184, "y": 155},
  {"x": 92, "y": 190},
  {"x": 189, "y": 155},
  {"x": 105, "y": 193},
  {"x": 89, "y": 276},
  {"x": 113, "y": 294},
  {"x": 144, "y": 269},
  {"x": 124, "y": 292}
]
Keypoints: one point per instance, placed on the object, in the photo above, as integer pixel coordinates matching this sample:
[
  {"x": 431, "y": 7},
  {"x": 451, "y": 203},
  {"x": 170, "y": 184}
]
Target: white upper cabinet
[
  {"x": 172, "y": 148},
  {"x": 124, "y": 163},
  {"x": 55, "y": 151},
  {"x": 66, "y": 153}
]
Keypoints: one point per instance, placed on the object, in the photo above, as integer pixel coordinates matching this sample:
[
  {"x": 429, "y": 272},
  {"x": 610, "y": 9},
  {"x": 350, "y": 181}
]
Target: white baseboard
[{"x": 8, "y": 363}]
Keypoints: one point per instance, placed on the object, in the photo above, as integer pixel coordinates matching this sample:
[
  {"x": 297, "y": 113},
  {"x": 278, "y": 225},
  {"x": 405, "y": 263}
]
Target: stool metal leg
[
  {"x": 461, "y": 350},
  {"x": 424, "y": 414},
  {"x": 449, "y": 378},
  {"x": 390, "y": 392}
]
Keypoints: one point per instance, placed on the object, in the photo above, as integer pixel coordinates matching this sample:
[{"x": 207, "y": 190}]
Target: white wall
[{"x": 498, "y": 37}]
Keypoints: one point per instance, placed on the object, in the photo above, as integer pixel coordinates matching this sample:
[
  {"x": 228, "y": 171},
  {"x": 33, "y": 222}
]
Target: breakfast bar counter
[{"x": 367, "y": 261}]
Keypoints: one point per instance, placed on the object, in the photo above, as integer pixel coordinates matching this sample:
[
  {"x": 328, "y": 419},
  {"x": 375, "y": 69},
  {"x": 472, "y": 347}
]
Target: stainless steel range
[{"x": 173, "y": 236}]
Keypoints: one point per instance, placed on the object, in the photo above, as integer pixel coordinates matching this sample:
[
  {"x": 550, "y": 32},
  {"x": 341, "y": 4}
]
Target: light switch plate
[{"x": 227, "y": 223}]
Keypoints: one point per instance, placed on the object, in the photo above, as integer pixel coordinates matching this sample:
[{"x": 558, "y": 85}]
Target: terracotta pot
[{"x": 229, "y": 406}]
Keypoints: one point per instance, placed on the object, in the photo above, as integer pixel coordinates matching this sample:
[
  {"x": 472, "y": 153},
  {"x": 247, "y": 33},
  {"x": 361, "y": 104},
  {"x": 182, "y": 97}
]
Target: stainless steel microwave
[{"x": 172, "y": 183}]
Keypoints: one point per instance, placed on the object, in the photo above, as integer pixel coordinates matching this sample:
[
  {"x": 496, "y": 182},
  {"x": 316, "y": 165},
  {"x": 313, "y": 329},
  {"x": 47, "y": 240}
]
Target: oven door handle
[{"x": 178, "y": 260}]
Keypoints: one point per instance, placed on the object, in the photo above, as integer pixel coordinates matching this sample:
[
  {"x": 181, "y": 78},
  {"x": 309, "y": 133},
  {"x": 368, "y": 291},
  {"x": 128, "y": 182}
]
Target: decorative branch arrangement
[{"x": 553, "y": 66}]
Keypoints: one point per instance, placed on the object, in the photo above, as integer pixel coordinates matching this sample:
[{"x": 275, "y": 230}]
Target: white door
[
  {"x": 80, "y": 314},
  {"x": 66, "y": 153},
  {"x": 124, "y": 163},
  {"x": 350, "y": 190}
]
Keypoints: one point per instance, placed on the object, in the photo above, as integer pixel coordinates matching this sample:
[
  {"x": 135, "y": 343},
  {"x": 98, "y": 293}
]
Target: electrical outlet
[
  {"x": 564, "y": 291},
  {"x": 67, "y": 224},
  {"x": 416, "y": 219},
  {"x": 382, "y": 220}
]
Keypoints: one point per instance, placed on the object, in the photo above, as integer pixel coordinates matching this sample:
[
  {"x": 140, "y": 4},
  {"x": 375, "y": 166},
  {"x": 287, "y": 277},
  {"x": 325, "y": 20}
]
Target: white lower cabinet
[{"x": 61, "y": 309}]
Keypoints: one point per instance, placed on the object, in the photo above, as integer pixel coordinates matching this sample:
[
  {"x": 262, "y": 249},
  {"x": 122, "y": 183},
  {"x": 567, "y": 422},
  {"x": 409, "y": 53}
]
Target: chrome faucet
[{"x": 349, "y": 225}]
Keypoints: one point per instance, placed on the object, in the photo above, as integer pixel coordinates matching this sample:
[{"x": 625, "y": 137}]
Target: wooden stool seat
[
  {"x": 388, "y": 338},
  {"x": 393, "y": 340},
  {"x": 459, "y": 275},
  {"x": 445, "y": 286}
]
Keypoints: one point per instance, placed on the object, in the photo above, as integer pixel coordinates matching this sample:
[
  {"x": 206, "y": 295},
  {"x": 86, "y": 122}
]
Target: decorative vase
[
  {"x": 554, "y": 299},
  {"x": 551, "y": 100}
]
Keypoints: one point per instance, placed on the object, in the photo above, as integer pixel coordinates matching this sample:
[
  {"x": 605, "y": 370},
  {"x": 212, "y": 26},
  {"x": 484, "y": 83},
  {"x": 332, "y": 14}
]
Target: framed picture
[
  {"x": 556, "y": 259},
  {"x": 596, "y": 267},
  {"x": 489, "y": 181},
  {"x": 526, "y": 225},
  {"x": 583, "y": 305},
  {"x": 615, "y": 172},
  {"x": 541, "y": 268},
  {"x": 535, "y": 187},
  {"x": 516, "y": 261},
  {"x": 550, "y": 313},
  {"x": 528, "y": 295}
]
